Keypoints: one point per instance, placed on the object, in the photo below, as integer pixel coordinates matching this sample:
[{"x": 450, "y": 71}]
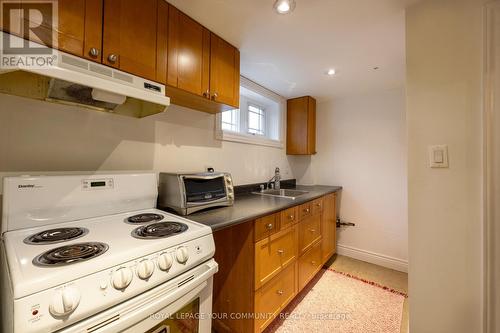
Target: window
[
  {"x": 259, "y": 119},
  {"x": 255, "y": 119},
  {"x": 230, "y": 121}
]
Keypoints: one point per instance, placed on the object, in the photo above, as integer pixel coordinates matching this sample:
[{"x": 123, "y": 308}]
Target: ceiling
[{"x": 290, "y": 54}]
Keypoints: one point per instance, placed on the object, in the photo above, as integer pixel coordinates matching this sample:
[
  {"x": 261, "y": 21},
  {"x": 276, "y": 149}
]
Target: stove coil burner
[
  {"x": 58, "y": 235},
  {"x": 70, "y": 254},
  {"x": 159, "y": 230},
  {"x": 145, "y": 218}
]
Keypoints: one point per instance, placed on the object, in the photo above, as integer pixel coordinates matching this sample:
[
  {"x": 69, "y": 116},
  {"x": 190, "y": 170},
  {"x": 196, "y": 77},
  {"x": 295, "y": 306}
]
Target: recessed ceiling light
[
  {"x": 284, "y": 6},
  {"x": 331, "y": 72}
]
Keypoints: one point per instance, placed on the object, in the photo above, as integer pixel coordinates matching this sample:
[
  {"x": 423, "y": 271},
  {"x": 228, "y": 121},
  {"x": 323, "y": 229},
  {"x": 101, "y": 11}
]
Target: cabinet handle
[
  {"x": 313, "y": 262},
  {"x": 312, "y": 230},
  {"x": 93, "y": 52},
  {"x": 319, "y": 205},
  {"x": 291, "y": 217},
  {"x": 279, "y": 292},
  {"x": 112, "y": 58},
  {"x": 214, "y": 96},
  {"x": 269, "y": 226},
  {"x": 281, "y": 251},
  {"x": 206, "y": 94},
  {"x": 306, "y": 210}
]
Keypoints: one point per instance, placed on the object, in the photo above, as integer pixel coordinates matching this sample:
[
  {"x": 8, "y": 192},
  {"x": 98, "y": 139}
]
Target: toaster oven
[{"x": 187, "y": 193}]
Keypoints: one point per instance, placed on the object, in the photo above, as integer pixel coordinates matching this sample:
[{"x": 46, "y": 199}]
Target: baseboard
[{"x": 374, "y": 258}]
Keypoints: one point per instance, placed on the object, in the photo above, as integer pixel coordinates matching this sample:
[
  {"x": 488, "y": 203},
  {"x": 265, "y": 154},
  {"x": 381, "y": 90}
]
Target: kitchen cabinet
[
  {"x": 301, "y": 126},
  {"x": 79, "y": 29},
  {"x": 265, "y": 263},
  {"x": 224, "y": 72},
  {"x": 129, "y": 36},
  {"x": 329, "y": 227},
  {"x": 188, "y": 54},
  {"x": 309, "y": 264},
  {"x": 273, "y": 254}
]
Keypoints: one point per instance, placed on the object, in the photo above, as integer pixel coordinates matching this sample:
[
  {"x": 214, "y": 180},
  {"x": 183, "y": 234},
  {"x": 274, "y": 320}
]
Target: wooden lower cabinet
[
  {"x": 309, "y": 264},
  {"x": 265, "y": 263},
  {"x": 274, "y": 296}
]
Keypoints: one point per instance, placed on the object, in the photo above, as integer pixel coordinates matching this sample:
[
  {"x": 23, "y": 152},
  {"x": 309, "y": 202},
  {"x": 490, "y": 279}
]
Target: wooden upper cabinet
[
  {"x": 188, "y": 54},
  {"x": 129, "y": 36},
  {"x": 224, "y": 72},
  {"x": 79, "y": 27},
  {"x": 301, "y": 126}
]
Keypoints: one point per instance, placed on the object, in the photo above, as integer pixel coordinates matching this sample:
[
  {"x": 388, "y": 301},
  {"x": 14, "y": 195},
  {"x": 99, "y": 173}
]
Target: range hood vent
[{"x": 76, "y": 81}]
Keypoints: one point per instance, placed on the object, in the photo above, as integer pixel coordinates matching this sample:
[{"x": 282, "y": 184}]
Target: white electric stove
[{"x": 91, "y": 253}]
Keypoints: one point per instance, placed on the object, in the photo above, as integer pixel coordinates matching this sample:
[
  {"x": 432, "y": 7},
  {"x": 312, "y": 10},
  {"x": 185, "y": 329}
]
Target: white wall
[
  {"x": 362, "y": 146},
  {"x": 444, "y": 66},
  {"x": 38, "y": 137}
]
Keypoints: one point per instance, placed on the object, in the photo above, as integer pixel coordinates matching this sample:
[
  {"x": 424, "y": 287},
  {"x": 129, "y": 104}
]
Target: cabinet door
[
  {"x": 79, "y": 26},
  {"x": 309, "y": 265},
  {"x": 329, "y": 227},
  {"x": 224, "y": 72},
  {"x": 309, "y": 232},
  {"x": 301, "y": 126},
  {"x": 188, "y": 54},
  {"x": 129, "y": 38},
  {"x": 273, "y": 254}
]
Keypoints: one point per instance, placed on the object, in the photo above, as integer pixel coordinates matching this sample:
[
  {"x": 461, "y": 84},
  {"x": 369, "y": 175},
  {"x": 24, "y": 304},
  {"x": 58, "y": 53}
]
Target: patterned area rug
[{"x": 336, "y": 302}]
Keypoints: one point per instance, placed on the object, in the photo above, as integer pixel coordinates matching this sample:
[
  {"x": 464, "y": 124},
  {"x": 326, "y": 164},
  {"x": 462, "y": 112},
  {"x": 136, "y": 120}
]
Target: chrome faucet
[{"x": 276, "y": 179}]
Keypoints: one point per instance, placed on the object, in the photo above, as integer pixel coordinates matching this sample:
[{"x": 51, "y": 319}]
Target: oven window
[
  {"x": 202, "y": 190},
  {"x": 186, "y": 320}
]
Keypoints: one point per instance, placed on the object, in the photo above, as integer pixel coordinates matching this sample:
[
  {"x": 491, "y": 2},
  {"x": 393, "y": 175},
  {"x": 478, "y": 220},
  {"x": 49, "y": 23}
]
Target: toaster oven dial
[
  {"x": 121, "y": 278},
  {"x": 182, "y": 254},
  {"x": 64, "y": 302},
  {"x": 165, "y": 261},
  {"x": 145, "y": 269}
]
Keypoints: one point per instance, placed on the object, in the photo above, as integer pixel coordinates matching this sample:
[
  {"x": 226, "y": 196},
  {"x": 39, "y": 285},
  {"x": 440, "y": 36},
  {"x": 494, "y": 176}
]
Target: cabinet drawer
[
  {"x": 274, "y": 296},
  {"x": 305, "y": 210},
  {"x": 289, "y": 217},
  {"x": 317, "y": 206},
  {"x": 266, "y": 226},
  {"x": 309, "y": 264},
  {"x": 309, "y": 232},
  {"x": 273, "y": 254}
]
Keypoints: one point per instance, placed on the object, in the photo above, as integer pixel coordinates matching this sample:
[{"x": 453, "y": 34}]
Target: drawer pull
[
  {"x": 279, "y": 292},
  {"x": 269, "y": 226},
  {"x": 319, "y": 205},
  {"x": 306, "y": 210},
  {"x": 291, "y": 217},
  {"x": 313, "y": 262},
  {"x": 281, "y": 251},
  {"x": 312, "y": 230}
]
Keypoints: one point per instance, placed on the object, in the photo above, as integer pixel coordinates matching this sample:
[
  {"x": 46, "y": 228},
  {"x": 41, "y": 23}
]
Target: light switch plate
[{"x": 438, "y": 156}]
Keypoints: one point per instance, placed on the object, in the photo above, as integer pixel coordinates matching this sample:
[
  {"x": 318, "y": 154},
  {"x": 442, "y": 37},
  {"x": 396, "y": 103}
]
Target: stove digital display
[{"x": 98, "y": 184}]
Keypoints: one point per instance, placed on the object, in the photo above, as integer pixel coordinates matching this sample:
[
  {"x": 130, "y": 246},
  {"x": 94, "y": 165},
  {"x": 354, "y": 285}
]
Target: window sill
[{"x": 248, "y": 139}]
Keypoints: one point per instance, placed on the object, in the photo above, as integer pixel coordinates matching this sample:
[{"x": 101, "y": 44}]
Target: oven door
[
  {"x": 183, "y": 304},
  {"x": 204, "y": 189}
]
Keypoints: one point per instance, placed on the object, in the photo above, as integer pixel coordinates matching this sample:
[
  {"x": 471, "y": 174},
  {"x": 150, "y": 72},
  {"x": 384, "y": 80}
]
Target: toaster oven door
[{"x": 204, "y": 189}]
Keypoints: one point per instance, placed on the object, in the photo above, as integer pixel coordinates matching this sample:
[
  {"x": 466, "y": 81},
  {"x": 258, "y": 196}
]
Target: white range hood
[{"x": 76, "y": 81}]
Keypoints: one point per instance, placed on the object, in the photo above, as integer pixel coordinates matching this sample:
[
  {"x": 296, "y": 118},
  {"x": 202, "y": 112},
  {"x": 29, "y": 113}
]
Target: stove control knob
[
  {"x": 122, "y": 277},
  {"x": 182, "y": 254},
  {"x": 64, "y": 302},
  {"x": 165, "y": 261},
  {"x": 145, "y": 269}
]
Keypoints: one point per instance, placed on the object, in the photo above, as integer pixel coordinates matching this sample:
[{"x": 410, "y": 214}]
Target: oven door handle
[{"x": 203, "y": 177}]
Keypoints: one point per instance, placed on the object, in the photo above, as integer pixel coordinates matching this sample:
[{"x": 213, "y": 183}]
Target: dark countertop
[{"x": 248, "y": 207}]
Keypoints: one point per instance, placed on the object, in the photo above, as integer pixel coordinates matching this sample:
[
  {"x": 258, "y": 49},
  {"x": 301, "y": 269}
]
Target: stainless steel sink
[{"x": 289, "y": 194}]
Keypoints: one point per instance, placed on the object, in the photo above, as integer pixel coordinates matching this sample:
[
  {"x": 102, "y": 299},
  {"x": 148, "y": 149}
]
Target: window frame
[{"x": 255, "y": 139}]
